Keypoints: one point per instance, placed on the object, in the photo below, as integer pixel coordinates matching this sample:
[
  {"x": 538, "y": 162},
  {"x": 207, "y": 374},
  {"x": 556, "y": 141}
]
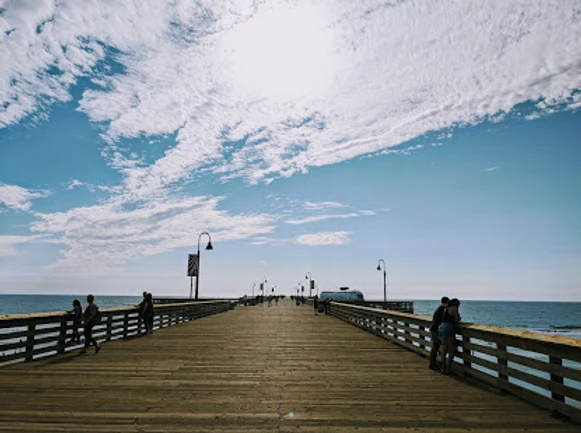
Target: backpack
[{"x": 98, "y": 315}]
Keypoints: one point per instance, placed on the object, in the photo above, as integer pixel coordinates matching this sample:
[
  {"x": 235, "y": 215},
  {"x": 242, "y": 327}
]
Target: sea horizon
[{"x": 550, "y": 317}]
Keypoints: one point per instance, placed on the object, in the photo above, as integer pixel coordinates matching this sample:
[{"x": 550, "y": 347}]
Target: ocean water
[{"x": 28, "y": 304}]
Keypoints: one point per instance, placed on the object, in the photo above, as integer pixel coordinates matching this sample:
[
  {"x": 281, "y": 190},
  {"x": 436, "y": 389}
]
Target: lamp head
[
  {"x": 209, "y": 246},
  {"x": 378, "y": 267}
]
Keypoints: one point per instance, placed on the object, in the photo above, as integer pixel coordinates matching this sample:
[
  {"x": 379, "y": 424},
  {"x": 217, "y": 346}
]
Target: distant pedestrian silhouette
[
  {"x": 90, "y": 315},
  {"x": 77, "y": 313},
  {"x": 147, "y": 313}
]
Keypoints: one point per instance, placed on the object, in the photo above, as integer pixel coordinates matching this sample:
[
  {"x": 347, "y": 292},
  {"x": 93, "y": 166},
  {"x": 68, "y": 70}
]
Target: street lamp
[
  {"x": 309, "y": 277},
  {"x": 384, "y": 282},
  {"x": 208, "y": 247},
  {"x": 253, "y": 286}
]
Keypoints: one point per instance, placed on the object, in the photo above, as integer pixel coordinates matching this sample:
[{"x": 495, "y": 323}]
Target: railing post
[
  {"x": 30, "y": 342},
  {"x": 502, "y": 365},
  {"x": 423, "y": 339},
  {"x": 109, "y": 332},
  {"x": 126, "y": 325},
  {"x": 62, "y": 336},
  {"x": 466, "y": 352},
  {"x": 555, "y": 378},
  {"x": 406, "y": 333}
]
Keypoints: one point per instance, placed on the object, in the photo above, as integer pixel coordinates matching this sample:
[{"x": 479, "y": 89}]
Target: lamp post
[
  {"x": 384, "y": 282},
  {"x": 309, "y": 277},
  {"x": 263, "y": 288},
  {"x": 208, "y": 247},
  {"x": 253, "y": 286}
]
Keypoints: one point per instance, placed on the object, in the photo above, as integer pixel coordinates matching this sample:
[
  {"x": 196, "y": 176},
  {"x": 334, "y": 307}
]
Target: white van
[{"x": 342, "y": 296}]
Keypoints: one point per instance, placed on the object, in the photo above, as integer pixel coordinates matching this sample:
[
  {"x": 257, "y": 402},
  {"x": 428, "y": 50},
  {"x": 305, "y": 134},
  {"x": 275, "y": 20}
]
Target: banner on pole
[
  {"x": 192, "y": 265},
  {"x": 312, "y": 284}
]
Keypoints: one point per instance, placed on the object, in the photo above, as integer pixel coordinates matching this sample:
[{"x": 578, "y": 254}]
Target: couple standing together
[
  {"x": 91, "y": 316},
  {"x": 443, "y": 334}
]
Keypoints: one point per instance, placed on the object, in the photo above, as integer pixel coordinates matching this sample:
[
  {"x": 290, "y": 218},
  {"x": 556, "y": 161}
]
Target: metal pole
[
  {"x": 198, "y": 273},
  {"x": 209, "y": 247},
  {"x": 191, "y": 286},
  {"x": 384, "y": 285},
  {"x": 379, "y": 262}
]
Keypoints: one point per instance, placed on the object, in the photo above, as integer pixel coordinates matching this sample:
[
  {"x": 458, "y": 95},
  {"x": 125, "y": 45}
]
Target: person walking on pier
[
  {"x": 450, "y": 320},
  {"x": 434, "y": 335},
  {"x": 316, "y": 305},
  {"x": 90, "y": 315},
  {"x": 77, "y": 313}
]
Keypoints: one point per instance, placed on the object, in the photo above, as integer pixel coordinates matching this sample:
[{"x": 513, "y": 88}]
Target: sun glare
[{"x": 282, "y": 54}]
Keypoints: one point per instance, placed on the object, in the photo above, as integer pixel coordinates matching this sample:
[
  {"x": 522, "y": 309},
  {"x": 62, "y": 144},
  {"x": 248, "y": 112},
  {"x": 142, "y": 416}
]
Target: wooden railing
[
  {"x": 540, "y": 368},
  {"x": 25, "y": 337},
  {"x": 401, "y": 306}
]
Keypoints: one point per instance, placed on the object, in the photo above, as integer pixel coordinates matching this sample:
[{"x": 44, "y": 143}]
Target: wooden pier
[{"x": 255, "y": 369}]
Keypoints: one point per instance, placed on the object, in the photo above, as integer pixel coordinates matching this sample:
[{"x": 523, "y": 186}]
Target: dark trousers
[
  {"x": 148, "y": 322},
  {"x": 89, "y": 335},
  {"x": 76, "y": 336}
]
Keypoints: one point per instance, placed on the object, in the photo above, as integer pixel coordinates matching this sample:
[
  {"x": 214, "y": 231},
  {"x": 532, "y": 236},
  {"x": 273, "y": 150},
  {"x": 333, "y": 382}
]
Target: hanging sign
[{"x": 192, "y": 265}]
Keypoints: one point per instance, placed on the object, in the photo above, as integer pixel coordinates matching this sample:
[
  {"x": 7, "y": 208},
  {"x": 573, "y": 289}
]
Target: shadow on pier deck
[{"x": 254, "y": 369}]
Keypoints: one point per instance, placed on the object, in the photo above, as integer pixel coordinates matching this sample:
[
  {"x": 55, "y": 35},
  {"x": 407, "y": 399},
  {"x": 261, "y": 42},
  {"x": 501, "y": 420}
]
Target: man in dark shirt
[{"x": 434, "y": 337}]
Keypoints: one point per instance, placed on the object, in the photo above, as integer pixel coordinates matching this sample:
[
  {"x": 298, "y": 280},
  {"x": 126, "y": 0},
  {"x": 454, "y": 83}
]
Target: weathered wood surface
[{"x": 255, "y": 369}]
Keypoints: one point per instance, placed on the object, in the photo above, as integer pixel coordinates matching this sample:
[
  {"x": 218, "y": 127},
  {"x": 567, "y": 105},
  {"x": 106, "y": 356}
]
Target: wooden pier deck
[{"x": 255, "y": 369}]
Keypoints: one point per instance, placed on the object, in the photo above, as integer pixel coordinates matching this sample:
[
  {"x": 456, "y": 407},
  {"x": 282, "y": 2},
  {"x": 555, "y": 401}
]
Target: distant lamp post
[
  {"x": 208, "y": 247},
  {"x": 384, "y": 281},
  {"x": 253, "y": 286},
  {"x": 309, "y": 277}
]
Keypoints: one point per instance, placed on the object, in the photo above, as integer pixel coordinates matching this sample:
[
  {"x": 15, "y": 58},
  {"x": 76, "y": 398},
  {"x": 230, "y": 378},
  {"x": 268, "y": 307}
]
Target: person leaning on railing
[
  {"x": 77, "y": 313},
  {"x": 147, "y": 313},
  {"x": 434, "y": 333},
  {"x": 450, "y": 320}
]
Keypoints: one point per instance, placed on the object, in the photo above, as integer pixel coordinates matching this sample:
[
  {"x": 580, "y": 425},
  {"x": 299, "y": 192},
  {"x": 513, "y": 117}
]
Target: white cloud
[
  {"x": 367, "y": 212},
  {"x": 324, "y": 217},
  {"x": 9, "y": 244},
  {"x": 324, "y": 238},
  {"x": 488, "y": 169},
  {"x": 323, "y": 205},
  {"x": 16, "y": 197},
  {"x": 347, "y": 88},
  {"x": 75, "y": 183},
  {"x": 101, "y": 237},
  {"x": 266, "y": 240},
  {"x": 318, "y": 218}
]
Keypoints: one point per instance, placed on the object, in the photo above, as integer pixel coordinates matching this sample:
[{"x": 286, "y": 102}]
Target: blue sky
[{"x": 303, "y": 136}]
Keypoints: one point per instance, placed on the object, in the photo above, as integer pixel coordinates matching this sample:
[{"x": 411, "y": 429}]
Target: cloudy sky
[{"x": 304, "y": 136}]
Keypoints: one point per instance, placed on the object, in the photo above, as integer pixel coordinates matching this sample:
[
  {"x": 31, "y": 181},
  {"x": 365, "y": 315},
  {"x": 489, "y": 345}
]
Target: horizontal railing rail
[
  {"x": 403, "y": 306},
  {"x": 540, "y": 368},
  {"x": 25, "y": 337}
]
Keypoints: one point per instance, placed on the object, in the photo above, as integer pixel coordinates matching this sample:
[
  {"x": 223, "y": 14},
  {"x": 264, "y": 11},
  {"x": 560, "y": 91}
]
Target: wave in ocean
[{"x": 566, "y": 327}]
